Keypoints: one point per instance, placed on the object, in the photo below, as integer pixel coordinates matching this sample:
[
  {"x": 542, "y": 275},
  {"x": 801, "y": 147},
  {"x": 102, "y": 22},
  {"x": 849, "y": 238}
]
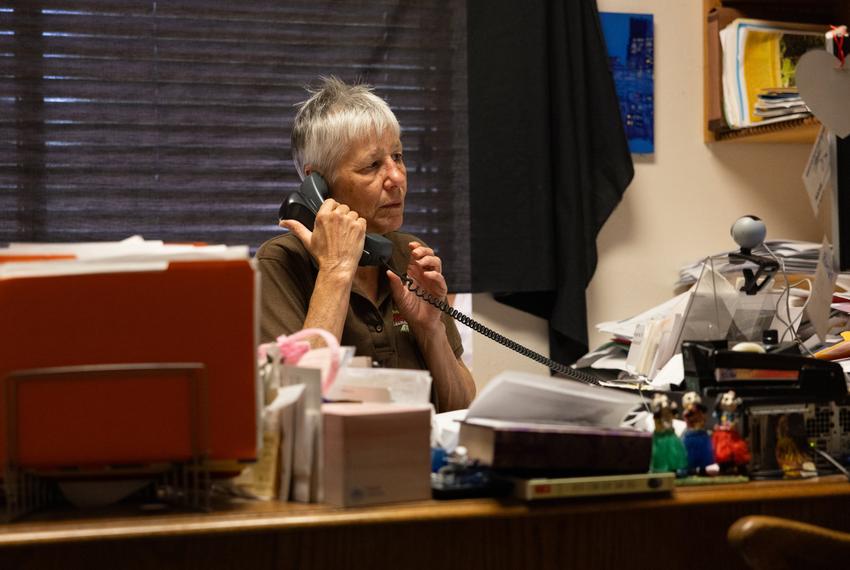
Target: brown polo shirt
[{"x": 288, "y": 277}]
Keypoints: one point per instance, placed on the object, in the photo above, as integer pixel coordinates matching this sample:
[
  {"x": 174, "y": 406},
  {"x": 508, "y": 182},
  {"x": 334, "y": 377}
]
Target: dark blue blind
[{"x": 171, "y": 118}]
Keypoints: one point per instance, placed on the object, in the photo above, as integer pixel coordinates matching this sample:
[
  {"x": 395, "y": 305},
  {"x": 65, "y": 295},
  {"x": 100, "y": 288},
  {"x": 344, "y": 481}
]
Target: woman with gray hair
[{"x": 311, "y": 277}]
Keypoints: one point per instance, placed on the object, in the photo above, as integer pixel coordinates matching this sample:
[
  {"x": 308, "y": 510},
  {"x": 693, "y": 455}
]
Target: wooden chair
[{"x": 778, "y": 544}]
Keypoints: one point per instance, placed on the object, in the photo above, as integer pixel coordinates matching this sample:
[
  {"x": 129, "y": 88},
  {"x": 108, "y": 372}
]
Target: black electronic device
[
  {"x": 711, "y": 369},
  {"x": 303, "y": 205},
  {"x": 840, "y": 158}
]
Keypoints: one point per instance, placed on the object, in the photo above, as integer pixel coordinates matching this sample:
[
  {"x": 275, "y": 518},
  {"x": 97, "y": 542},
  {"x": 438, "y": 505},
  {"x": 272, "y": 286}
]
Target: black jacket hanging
[{"x": 549, "y": 159}]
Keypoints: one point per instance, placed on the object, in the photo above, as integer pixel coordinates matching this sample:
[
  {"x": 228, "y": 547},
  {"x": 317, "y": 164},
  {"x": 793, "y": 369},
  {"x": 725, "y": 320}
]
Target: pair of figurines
[{"x": 697, "y": 452}]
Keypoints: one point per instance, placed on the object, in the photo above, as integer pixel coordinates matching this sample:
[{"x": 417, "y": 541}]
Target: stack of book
[
  {"x": 558, "y": 438},
  {"x": 555, "y": 449},
  {"x": 758, "y": 63},
  {"x": 777, "y": 102}
]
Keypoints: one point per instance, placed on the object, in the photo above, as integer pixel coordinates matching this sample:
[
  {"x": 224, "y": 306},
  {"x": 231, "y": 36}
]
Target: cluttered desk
[
  {"x": 561, "y": 468},
  {"x": 154, "y": 432},
  {"x": 756, "y": 344},
  {"x": 608, "y": 532}
]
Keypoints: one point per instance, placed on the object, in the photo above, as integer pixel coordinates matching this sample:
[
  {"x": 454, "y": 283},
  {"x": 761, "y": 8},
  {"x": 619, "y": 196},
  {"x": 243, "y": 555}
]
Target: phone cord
[{"x": 444, "y": 306}]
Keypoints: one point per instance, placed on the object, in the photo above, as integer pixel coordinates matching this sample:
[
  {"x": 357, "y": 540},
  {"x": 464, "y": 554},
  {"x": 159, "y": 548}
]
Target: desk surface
[{"x": 474, "y": 532}]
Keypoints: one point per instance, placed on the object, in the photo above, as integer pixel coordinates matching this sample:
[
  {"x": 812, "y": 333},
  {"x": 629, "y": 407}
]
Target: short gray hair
[{"x": 335, "y": 116}]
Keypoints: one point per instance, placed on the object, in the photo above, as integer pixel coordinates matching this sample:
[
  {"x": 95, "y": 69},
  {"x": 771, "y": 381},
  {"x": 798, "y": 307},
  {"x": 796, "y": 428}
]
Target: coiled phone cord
[{"x": 443, "y": 306}]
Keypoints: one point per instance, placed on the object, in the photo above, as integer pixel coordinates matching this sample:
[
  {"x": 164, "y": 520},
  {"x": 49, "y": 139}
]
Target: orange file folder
[
  {"x": 193, "y": 312},
  {"x": 83, "y": 416}
]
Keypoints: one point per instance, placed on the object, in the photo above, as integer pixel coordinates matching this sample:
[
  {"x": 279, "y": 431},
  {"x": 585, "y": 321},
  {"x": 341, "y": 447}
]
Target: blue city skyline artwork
[{"x": 629, "y": 38}]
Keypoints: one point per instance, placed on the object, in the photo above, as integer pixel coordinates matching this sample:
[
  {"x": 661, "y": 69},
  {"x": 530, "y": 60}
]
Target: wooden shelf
[{"x": 795, "y": 131}]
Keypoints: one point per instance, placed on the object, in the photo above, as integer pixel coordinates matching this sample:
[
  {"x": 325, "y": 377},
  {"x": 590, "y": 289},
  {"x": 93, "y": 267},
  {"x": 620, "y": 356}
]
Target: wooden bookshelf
[{"x": 795, "y": 131}]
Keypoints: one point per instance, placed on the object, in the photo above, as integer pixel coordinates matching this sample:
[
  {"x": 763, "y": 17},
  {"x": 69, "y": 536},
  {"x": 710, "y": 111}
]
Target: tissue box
[{"x": 375, "y": 453}]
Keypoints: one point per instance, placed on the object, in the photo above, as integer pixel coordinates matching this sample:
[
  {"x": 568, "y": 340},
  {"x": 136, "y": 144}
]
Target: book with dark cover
[{"x": 538, "y": 448}]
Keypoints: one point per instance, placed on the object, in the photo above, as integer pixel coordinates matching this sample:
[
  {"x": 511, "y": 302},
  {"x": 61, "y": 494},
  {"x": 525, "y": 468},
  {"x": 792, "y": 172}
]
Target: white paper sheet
[
  {"x": 522, "y": 396},
  {"x": 817, "y": 175},
  {"x": 626, "y": 328},
  {"x": 820, "y": 299},
  {"x": 305, "y": 455}
]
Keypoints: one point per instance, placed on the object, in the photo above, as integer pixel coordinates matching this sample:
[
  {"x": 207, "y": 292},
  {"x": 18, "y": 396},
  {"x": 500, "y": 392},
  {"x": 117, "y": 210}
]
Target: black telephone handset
[{"x": 304, "y": 204}]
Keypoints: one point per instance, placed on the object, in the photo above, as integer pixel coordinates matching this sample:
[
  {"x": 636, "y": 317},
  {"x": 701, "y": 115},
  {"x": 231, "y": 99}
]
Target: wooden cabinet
[{"x": 795, "y": 131}]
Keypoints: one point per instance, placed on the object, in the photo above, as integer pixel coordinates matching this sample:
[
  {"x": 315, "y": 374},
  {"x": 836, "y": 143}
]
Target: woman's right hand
[{"x": 336, "y": 241}]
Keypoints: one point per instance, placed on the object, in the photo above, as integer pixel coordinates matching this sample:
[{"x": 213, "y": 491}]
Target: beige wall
[{"x": 680, "y": 205}]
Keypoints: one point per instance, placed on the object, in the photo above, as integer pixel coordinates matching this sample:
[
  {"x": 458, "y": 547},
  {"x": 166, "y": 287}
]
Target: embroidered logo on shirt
[{"x": 398, "y": 321}]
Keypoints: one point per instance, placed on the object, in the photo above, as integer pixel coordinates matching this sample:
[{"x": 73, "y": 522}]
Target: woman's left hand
[{"x": 426, "y": 270}]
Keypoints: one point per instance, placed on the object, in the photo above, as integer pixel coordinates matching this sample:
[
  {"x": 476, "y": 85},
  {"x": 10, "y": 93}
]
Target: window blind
[{"x": 171, "y": 118}]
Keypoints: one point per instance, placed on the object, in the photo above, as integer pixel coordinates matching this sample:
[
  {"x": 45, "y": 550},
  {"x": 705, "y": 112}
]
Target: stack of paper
[
  {"x": 625, "y": 329},
  {"x": 799, "y": 257},
  {"x": 760, "y": 56},
  {"x": 529, "y": 422},
  {"x": 132, "y": 254},
  {"x": 713, "y": 309},
  {"x": 774, "y": 103},
  {"x": 522, "y": 396}
]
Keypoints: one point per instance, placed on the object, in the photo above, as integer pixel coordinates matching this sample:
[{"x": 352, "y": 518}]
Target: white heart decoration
[{"x": 825, "y": 88}]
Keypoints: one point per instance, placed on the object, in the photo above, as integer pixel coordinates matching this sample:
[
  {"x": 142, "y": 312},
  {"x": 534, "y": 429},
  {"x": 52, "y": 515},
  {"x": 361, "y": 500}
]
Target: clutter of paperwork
[
  {"x": 293, "y": 375},
  {"x": 523, "y": 396},
  {"x": 713, "y": 308},
  {"x": 799, "y": 257},
  {"x": 626, "y": 328},
  {"x": 375, "y": 448},
  {"x": 759, "y": 64},
  {"x": 531, "y": 423},
  {"x": 381, "y": 385}
]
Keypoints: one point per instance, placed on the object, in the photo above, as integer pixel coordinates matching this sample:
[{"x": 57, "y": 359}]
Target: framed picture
[{"x": 629, "y": 38}]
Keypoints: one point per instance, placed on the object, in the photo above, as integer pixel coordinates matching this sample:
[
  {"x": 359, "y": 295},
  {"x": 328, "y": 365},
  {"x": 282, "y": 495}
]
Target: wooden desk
[{"x": 687, "y": 529}]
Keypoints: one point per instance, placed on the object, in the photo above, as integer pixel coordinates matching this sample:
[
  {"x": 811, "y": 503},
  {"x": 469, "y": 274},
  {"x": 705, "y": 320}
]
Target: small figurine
[
  {"x": 668, "y": 453},
  {"x": 696, "y": 439},
  {"x": 730, "y": 449},
  {"x": 792, "y": 460}
]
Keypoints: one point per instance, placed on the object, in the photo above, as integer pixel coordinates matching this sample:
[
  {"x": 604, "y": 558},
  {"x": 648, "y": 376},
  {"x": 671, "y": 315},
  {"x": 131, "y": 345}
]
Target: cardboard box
[{"x": 375, "y": 453}]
